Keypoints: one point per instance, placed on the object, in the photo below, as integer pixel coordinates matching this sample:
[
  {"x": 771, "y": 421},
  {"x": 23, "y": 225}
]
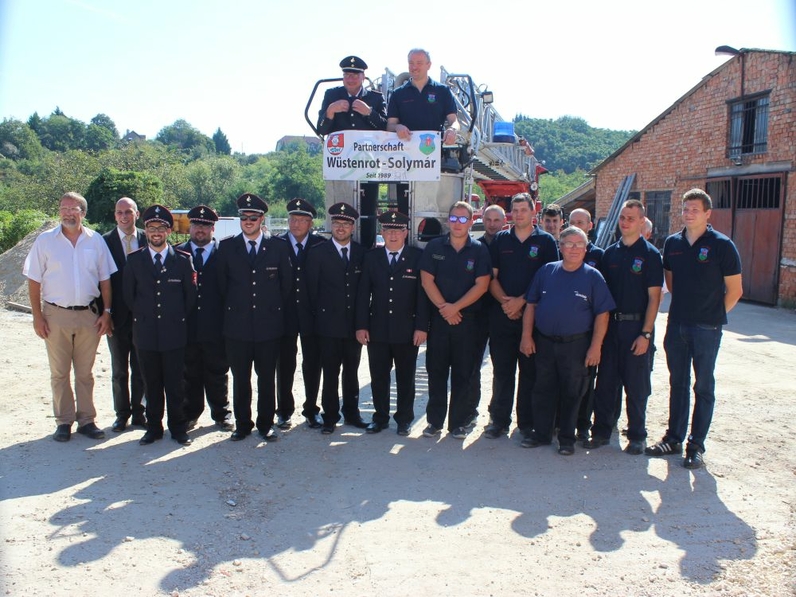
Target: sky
[{"x": 249, "y": 66}]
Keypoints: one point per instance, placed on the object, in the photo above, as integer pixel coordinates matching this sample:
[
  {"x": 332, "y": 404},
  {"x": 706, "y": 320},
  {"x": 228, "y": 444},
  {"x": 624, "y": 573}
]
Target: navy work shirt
[
  {"x": 455, "y": 272},
  {"x": 630, "y": 272},
  {"x": 594, "y": 256},
  {"x": 424, "y": 110},
  {"x": 517, "y": 262}
]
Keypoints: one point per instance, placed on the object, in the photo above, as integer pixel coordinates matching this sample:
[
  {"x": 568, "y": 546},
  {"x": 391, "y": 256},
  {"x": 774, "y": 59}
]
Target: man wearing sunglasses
[
  {"x": 255, "y": 278},
  {"x": 455, "y": 273}
]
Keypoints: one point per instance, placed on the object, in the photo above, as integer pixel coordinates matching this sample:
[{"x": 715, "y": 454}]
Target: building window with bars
[{"x": 748, "y": 125}]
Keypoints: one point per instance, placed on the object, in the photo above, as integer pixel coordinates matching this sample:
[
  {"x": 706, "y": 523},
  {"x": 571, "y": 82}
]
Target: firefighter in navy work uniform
[
  {"x": 160, "y": 290},
  {"x": 255, "y": 279},
  {"x": 392, "y": 314},
  {"x": 333, "y": 271},
  {"x": 299, "y": 323},
  {"x": 206, "y": 367}
]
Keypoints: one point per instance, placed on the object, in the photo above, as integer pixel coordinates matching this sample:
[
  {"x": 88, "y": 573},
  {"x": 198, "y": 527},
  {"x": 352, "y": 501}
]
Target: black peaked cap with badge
[
  {"x": 343, "y": 211},
  {"x": 393, "y": 219},
  {"x": 251, "y": 202},
  {"x": 353, "y": 64},
  {"x": 158, "y": 213},
  {"x": 202, "y": 214},
  {"x": 301, "y": 207}
]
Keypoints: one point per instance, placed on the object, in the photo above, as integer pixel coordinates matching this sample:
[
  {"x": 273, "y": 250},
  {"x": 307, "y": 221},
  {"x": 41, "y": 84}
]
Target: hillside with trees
[{"x": 181, "y": 167}]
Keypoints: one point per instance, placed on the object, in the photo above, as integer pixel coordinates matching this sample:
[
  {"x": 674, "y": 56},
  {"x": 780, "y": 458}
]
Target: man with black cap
[
  {"x": 160, "y": 290},
  {"x": 206, "y": 364},
  {"x": 333, "y": 271},
  {"x": 255, "y": 277},
  {"x": 351, "y": 106},
  {"x": 298, "y": 322},
  {"x": 392, "y": 315}
]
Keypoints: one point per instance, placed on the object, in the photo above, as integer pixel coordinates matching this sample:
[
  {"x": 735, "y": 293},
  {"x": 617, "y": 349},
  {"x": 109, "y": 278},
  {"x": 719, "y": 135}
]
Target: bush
[{"x": 16, "y": 226}]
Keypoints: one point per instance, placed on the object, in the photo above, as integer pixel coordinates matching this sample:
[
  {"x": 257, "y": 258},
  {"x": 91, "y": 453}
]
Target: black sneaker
[
  {"x": 596, "y": 442},
  {"x": 693, "y": 459},
  {"x": 530, "y": 442},
  {"x": 458, "y": 433},
  {"x": 634, "y": 448},
  {"x": 493, "y": 431},
  {"x": 431, "y": 431},
  {"x": 664, "y": 448},
  {"x": 566, "y": 450}
]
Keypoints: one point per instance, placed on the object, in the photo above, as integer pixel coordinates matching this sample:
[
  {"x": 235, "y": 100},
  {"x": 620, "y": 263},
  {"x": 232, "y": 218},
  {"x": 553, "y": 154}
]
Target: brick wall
[{"x": 676, "y": 152}]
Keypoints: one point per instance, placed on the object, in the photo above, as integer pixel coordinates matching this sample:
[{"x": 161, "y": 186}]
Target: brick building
[{"x": 734, "y": 135}]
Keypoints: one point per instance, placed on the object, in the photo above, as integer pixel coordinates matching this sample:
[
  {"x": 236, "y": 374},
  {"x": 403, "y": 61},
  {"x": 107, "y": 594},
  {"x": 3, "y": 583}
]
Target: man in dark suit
[
  {"x": 127, "y": 383},
  {"x": 205, "y": 359},
  {"x": 392, "y": 316},
  {"x": 160, "y": 290},
  {"x": 333, "y": 271},
  {"x": 255, "y": 277},
  {"x": 351, "y": 106},
  {"x": 299, "y": 322}
]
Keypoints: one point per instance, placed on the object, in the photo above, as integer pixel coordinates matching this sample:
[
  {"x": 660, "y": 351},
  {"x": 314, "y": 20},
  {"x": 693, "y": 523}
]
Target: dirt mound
[{"x": 13, "y": 285}]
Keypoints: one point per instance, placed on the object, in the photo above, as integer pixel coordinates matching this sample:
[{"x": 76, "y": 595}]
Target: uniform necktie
[
  {"x": 253, "y": 251},
  {"x": 393, "y": 260},
  {"x": 128, "y": 244},
  {"x": 344, "y": 251},
  {"x": 199, "y": 262},
  {"x": 299, "y": 250},
  {"x": 158, "y": 263}
]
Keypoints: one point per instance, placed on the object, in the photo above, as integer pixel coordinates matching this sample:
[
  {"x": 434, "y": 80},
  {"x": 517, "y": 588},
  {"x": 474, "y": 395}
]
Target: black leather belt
[
  {"x": 72, "y": 308},
  {"x": 565, "y": 339},
  {"x": 627, "y": 317}
]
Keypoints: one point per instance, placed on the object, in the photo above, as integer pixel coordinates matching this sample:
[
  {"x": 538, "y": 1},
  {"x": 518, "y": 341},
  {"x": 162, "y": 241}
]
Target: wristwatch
[
  {"x": 646, "y": 335},
  {"x": 108, "y": 311}
]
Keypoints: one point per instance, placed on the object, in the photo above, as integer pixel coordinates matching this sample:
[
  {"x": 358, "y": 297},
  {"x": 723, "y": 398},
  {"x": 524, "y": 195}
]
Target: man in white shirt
[{"x": 69, "y": 268}]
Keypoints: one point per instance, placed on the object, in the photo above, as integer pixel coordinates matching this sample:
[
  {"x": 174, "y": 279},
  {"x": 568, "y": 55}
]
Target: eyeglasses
[
  {"x": 70, "y": 209},
  {"x": 460, "y": 219},
  {"x": 570, "y": 245},
  {"x": 342, "y": 223},
  {"x": 249, "y": 218},
  {"x": 156, "y": 229}
]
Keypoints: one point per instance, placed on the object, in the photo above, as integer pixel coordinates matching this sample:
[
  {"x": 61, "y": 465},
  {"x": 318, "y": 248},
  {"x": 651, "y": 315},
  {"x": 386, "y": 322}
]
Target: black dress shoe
[
  {"x": 62, "y": 433},
  {"x": 150, "y": 437},
  {"x": 268, "y": 435},
  {"x": 191, "y": 424},
  {"x": 139, "y": 420},
  {"x": 181, "y": 437},
  {"x": 120, "y": 424},
  {"x": 358, "y": 423},
  {"x": 375, "y": 427},
  {"x": 596, "y": 442},
  {"x": 314, "y": 422},
  {"x": 225, "y": 425},
  {"x": 403, "y": 430},
  {"x": 283, "y": 423},
  {"x": 566, "y": 450},
  {"x": 327, "y": 429},
  {"x": 91, "y": 431},
  {"x": 239, "y": 434}
]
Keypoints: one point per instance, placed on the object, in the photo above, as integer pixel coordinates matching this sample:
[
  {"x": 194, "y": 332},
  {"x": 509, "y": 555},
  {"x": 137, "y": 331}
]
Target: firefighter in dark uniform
[
  {"x": 160, "y": 290},
  {"x": 299, "y": 322},
  {"x": 455, "y": 272},
  {"x": 351, "y": 106},
  {"x": 633, "y": 270},
  {"x": 517, "y": 254},
  {"x": 333, "y": 271},
  {"x": 255, "y": 279},
  {"x": 206, "y": 367},
  {"x": 392, "y": 314}
]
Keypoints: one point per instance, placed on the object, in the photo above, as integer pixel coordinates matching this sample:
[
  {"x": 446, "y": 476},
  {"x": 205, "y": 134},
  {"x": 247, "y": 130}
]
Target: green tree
[
  {"x": 186, "y": 138},
  {"x": 221, "y": 142},
  {"x": 111, "y": 185},
  {"x": 296, "y": 174},
  {"x": 105, "y": 122},
  {"x": 16, "y": 226},
  {"x": 18, "y": 141},
  {"x": 99, "y": 138},
  {"x": 61, "y": 133}
]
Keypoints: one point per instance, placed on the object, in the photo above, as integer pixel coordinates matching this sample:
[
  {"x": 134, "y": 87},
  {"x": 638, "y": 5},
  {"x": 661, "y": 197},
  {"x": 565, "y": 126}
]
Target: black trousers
[
  {"x": 481, "y": 340},
  {"x": 205, "y": 375},
  {"x": 337, "y": 354},
  {"x": 127, "y": 384},
  {"x": 381, "y": 356},
  {"x": 451, "y": 349},
  {"x": 286, "y": 371},
  {"x": 504, "y": 349},
  {"x": 163, "y": 383},
  {"x": 241, "y": 355},
  {"x": 561, "y": 378}
]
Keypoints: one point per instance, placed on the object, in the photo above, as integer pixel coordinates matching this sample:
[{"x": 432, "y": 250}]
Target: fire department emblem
[
  {"x": 533, "y": 252},
  {"x": 432, "y": 98},
  {"x": 427, "y": 144},
  {"x": 637, "y": 263},
  {"x": 703, "y": 254},
  {"x": 335, "y": 143},
  {"x": 470, "y": 265}
]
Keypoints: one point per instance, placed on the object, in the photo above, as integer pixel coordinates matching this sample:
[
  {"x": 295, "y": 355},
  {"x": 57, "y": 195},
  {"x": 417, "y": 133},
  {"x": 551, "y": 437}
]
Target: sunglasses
[
  {"x": 460, "y": 219},
  {"x": 249, "y": 218}
]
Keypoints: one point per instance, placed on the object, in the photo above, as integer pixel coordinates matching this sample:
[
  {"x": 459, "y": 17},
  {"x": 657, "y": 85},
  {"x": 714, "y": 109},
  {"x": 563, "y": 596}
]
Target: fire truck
[{"x": 487, "y": 155}]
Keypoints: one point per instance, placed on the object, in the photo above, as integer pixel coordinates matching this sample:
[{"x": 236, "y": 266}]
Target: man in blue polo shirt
[
  {"x": 564, "y": 324},
  {"x": 517, "y": 254},
  {"x": 702, "y": 269},
  {"x": 454, "y": 271},
  {"x": 634, "y": 273}
]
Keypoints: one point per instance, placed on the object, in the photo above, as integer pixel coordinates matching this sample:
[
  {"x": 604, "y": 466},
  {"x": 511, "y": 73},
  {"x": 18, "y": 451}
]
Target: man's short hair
[
  {"x": 580, "y": 210},
  {"x": 569, "y": 231},
  {"x": 699, "y": 195},
  {"x": 524, "y": 198},
  {"x": 635, "y": 203},
  {"x": 418, "y": 51},
  {"x": 77, "y": 197},
  {"x": 461, "y": 205},
  {"x": 648, "y": 226},
  {"x": 495, "y": 207},
  {"x": 552, "y": 211}
]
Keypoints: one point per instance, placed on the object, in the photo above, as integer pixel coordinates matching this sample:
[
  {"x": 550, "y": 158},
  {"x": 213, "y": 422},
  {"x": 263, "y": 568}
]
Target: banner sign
[{"x": 378, "y": 156}]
